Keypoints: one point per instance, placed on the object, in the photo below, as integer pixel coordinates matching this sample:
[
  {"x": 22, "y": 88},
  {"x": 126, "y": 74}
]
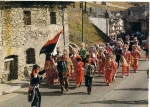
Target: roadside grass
[{"x": 91, "y": 35}]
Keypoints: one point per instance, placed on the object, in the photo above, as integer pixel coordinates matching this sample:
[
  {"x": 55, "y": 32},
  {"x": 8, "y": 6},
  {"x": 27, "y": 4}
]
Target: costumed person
[
  {"x": 101, "y": 62},
  {"x": 138, "y": 46},
  {"x": 73, "y": 58},
  {"x": 136, "y": 55},
  {"x": 127, "y": 42},
  {"x": 115, "y": 70},
  {"x": 146, "y": 49},
  {"x": 50, "y": 68},
  {"x": 93, "y": 53},
  {"x": 111, "y": 42},
  {"x": 56, "y": 78},
  {"x": 68, "y": 62},
  {"x": 120, "y": 40},
  {"x": 92, "y": 50},
  {"x": 127, "y": 39},
  {"x": 79, "y": 73},
  {"x": 126, "y": 61},
  {"x": 63, "y": 74},
  {"x": 108, "y": 48},
  {"x": 82, "y": 51},
  {"x": 36, "y": 78},
  {"x": 58, "y": 51},
  {"x": 109, "y": 69},
  {"x": 88, "y": 74},
  {"x": 72, "y": 74},
  {"x": 118, "y": 51},
  {"x": 94, "y": 60}
]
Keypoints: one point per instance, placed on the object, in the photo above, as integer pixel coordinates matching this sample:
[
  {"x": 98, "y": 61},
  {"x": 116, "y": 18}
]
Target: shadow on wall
[{"x": 101, "y": 34}]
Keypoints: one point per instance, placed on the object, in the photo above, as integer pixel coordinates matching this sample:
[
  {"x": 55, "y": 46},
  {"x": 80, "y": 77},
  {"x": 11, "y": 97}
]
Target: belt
[{"x": 35, "y": 86}]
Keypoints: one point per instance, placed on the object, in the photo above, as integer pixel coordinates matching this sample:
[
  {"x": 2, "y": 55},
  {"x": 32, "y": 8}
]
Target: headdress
[{"x": 35, "y": 66}]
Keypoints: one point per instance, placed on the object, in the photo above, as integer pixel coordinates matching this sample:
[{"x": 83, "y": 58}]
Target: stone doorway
[{"x": 11, "y": 68}]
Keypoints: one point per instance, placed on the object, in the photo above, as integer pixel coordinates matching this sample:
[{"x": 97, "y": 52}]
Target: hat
[{"x": 35, "y": 66}]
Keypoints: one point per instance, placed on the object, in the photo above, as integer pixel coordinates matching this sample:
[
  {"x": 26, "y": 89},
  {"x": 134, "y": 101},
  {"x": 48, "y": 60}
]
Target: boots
[{"x": 89, "y": 90}]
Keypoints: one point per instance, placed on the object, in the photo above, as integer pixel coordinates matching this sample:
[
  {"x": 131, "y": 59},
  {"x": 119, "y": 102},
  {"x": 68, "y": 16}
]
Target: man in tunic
[
  {"x": 63, "y": 74},
  {"x": 82, "y": 51}
]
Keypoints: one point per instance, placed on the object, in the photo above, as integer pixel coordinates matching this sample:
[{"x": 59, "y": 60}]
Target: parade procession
[
  {"x": 74, "y": 54},
  {"x": 82, "y": 66}
]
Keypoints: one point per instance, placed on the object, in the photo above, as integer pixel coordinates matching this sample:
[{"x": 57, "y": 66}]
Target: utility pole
[
  {"x": 81, "y": 6},
  {"x": 63, "y": 24},
  {"x": 85, "y": 6},
  {"x": 82, "y": 25}
]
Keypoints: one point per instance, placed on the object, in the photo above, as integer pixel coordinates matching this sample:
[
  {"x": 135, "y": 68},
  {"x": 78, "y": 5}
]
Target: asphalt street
[{"x": 131, "y": 91}]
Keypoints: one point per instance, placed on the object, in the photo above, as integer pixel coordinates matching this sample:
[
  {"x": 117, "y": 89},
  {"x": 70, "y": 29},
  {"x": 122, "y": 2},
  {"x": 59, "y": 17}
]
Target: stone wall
[
  {"x": 17, "y": 37},
  {"x": 100, "y": 23}
]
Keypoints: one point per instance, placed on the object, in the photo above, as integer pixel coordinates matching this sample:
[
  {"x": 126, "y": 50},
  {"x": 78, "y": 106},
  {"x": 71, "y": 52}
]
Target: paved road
[{"x": 130, "y": 91}]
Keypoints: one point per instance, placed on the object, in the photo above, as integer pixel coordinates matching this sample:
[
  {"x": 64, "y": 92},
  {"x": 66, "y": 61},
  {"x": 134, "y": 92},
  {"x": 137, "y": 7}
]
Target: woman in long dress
[
  {"x": 36, "y": 78},
  {"x": 50, "y": 68},
  {"x": 79, "y": 72}
]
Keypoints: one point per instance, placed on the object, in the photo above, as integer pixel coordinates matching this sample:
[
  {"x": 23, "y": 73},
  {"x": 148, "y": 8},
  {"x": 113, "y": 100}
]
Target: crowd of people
[{"x": 100, "y": 59}]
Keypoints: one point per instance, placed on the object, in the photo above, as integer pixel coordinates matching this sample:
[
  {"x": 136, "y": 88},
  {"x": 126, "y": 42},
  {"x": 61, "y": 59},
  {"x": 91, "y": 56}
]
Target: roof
[
  {"x": 32, "y": 3},
  {"x": 133, "y": 14}
]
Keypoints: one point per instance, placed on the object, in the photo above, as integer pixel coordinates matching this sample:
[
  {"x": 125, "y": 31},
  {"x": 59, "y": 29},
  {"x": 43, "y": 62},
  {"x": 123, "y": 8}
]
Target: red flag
[{"x": 50, "y": 45}]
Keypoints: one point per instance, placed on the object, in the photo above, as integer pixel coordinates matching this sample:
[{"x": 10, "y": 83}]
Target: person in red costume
[
  {"x": 136, "y": 55},
  {"x": 79, "y": 71},
  {"x": 146, "y": 49},
  {"x": 101, "y": 62},
  {"x": 126, "y": 62},
  {"x": 110, "y": 67}
]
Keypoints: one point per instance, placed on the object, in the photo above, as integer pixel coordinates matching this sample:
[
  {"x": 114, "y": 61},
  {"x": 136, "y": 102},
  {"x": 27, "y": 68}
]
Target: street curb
[{"x": 12, "y": 89}]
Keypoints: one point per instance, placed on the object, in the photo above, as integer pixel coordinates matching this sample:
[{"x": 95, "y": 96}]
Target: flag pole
[{"x": 58, "y": 39}]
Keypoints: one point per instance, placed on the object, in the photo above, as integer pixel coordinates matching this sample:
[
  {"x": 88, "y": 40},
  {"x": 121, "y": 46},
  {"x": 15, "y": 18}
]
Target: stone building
[
  {"x": 132, "y": 16},
  {"x": 25, "y": 26}
]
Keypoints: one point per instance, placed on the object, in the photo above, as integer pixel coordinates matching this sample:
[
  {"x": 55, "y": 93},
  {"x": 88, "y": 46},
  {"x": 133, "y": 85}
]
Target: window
[
  {"x": 53, "y": 17},
  {"x": 30, "y": 58},
  {"x": 27, "y": 17}
]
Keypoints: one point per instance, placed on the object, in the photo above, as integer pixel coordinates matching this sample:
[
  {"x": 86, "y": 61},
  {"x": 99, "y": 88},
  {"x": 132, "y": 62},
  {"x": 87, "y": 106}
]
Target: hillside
[
  {"x": 91, "y": 34},
  {"x": 75, "y": 29}
]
